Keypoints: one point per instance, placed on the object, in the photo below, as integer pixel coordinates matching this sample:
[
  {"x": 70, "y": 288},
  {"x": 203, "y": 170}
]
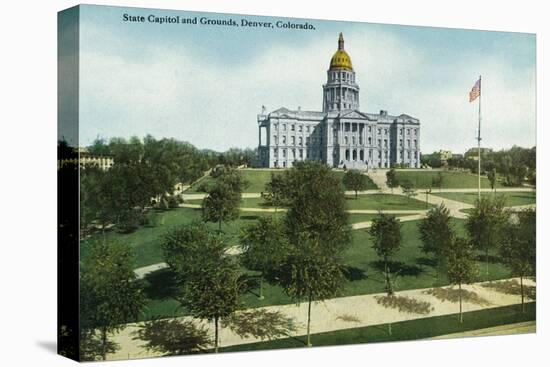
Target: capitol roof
[{"x": 341, "y": 59}]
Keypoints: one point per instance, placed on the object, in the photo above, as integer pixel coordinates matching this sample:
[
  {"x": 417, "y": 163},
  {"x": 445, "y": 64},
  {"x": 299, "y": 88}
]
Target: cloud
[{"x": 179, "y": 94}]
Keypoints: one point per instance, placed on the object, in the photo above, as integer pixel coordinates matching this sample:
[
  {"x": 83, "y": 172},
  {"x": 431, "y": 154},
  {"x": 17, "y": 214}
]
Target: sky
[{"x": 206, "y": 84}]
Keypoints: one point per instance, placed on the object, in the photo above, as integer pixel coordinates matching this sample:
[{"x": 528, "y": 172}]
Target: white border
[{"x": 28, "y": 184}]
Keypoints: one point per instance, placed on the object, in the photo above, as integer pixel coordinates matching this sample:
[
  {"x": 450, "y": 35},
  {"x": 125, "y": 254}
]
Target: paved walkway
[{"x": 345, "y": 313}]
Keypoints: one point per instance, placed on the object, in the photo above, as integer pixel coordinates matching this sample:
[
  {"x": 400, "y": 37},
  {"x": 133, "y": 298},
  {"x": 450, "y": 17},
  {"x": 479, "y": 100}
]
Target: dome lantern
[{"x": 341, "y": 59}]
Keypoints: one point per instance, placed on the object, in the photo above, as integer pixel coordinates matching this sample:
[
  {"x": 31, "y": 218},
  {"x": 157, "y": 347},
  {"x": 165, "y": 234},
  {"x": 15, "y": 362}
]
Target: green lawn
[
  {"x": 257, "y": 178},
  {"x": 512, "y": 198},
  {"x": 451, "y": 179},
  {"x": 363, "y": 270},
  {"x": 405, "y": 330},
  {"x": 384, "y": 202},
  {"x": 365, "y": 202},
  {"x": 145, "y": 241}
]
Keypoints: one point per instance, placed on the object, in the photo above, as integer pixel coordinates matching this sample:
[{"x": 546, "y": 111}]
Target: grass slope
[
  {"x": 451, "y": 179},
  {"x": 512, "y": 198},
  {"x": 257, "y": 178},
  {"x": 405, "y": 330}
]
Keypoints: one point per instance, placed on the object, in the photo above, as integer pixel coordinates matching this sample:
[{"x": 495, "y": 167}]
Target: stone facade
[{"x": 340, "y": 135}]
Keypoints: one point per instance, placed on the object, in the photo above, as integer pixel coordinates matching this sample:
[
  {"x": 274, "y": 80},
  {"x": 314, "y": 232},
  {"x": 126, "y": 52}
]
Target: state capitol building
[{"x": 341, "y": 135}]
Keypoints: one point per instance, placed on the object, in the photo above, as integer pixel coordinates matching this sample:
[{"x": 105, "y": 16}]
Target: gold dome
[{"x": 341, "y": 59}]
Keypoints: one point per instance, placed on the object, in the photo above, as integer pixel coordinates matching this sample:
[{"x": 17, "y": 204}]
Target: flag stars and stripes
[{"x": 476, "y": 90}]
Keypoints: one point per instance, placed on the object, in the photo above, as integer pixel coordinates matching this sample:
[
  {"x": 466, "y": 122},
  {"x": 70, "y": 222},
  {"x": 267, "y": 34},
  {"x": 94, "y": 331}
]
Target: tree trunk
[
  {"x": 355, "y": 194},
  {"x": 388, "y": 281},
  {"x": 309, "y": 320},
  {"x": 220, "y": 225},
  {"x": 389, "y": 328},
  {"x": 216, "y": 334},
  {"x": 104, "y": 343},
  {"x": 522, "y": 295},
  {"x": 261, "y": 287},
  {"x": 487, "y": 261},
  {"x": 460, "y": 300}
]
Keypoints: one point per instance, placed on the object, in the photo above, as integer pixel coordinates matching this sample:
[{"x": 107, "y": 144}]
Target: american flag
[{"x": 476, "y": 90}]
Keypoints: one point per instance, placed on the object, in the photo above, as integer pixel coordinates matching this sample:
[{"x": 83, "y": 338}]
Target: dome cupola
[{"x": 341, "y": 59}]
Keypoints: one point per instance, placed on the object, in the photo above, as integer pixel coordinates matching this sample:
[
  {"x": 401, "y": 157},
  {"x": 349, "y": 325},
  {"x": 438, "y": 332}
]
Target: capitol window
[
  {"x": 353, "y": 140},
  {"x": 300, "y": 141},
  {"x": 275, "y": 140},
  {"x": 284, "y": 127},
  {"x": 345, "y": 140},
  {"x": 300, "y": 128},
  {"x": 307, "y": 129},
  {"x": 284, "y": 139},
  {"x": 292, "y": 127},
  {"x": 292, "y": 140}
]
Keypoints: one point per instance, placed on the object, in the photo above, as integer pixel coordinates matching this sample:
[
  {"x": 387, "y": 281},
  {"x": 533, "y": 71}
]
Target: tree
[
  {"x": 274, "y": 194},
  {"x": 310, "y": 273},
  {"x": 208, "y": 279},
  {"x": 437, "y": 180},
  {"x": 428, "y": 192},
  {"x": 386, "y": 235},
  {"x": 391, "y": 179},
  {"x": 264, "y": 246},
  {"x": 355, "y": 180},
  {"x": 221, "y": 205},
  {"x": 492, "y": 177},
  {"x": 436, "y": 233},
  {"x": 408, "y": 189},
  {"x": 518, "y": 248},
  {"x": 461, "y": 266},
  {"x": 110, "y": 296},
  {"x": 318, "y": 233},
  {"x": 485, "y": 224},
  {"x": 188, "y": 248},
  {"x": 317, "y": 206},
  {"x": 213, "y": 292}
]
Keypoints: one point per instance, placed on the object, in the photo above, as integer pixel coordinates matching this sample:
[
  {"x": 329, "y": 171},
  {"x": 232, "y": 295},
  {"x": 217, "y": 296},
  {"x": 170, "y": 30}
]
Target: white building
[{"x": 341, "y": 135}]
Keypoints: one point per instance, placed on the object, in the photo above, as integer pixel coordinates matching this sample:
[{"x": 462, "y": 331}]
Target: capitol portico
[{"x": 339, "y": 135}]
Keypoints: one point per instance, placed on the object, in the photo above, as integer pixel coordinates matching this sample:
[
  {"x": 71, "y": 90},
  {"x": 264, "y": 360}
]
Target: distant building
[
  {"x": 85, "y": 159},
  {"x": 445, "y": 155},
  {"x": 472, "y": 153},
  {"x": 340, "y": 135}
]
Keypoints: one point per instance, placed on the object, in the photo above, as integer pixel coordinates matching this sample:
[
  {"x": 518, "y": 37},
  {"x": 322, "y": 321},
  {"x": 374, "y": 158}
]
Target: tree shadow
[
  {"x": 427, "y": 261},
  {"x": 249, "y": 217},
  {"x": 453, "y": 295},
  {"x": 353, "y": 273},
  {"x": 405, "y": 304},
  {"x": 173, "y": 336},
  {"x": 398, "y": 267},
  {"x": 249, "y": 283},
  {"x": 260, "y": 324},
  {"x": 512, "y": 287},
  {"x": 161, "y": 284}
]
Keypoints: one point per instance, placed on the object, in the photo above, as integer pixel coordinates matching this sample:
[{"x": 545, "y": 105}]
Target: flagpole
[{"x": 479, "y": 145}]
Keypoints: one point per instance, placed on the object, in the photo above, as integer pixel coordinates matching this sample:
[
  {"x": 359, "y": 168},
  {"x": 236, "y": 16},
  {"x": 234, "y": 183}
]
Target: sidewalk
[{"x": 345, "y": 313}]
